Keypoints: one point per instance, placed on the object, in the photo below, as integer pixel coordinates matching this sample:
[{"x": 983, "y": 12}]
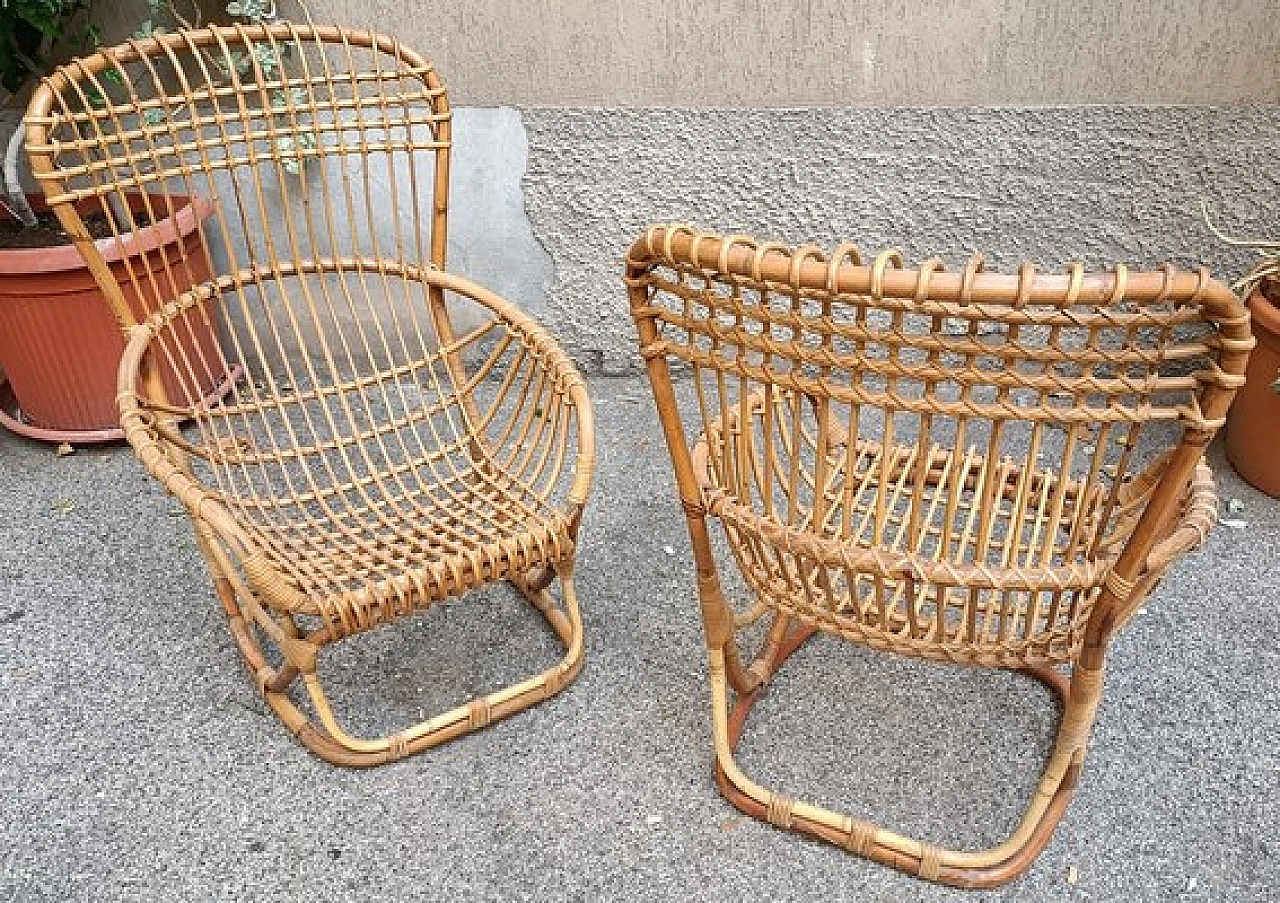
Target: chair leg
[
  {"x": 982, "y": 869},
  {"x": 535, "y": 592},
  {"x": 324, "y": 736}
]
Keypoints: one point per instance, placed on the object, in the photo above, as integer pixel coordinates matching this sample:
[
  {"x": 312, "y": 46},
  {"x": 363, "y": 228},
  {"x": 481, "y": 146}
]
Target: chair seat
[
  {"x": 924, "y": 572},
  {"x": 397, "y": 550}
]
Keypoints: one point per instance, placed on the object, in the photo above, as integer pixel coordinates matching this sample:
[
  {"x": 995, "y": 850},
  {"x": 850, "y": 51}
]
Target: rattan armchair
[
  {"x": 400, "y": 435},
  {"x": 967, "y": 467}
]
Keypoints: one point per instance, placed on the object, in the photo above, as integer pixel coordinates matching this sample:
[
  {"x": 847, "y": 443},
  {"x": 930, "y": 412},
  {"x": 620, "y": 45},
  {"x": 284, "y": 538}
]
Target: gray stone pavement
[{"x": 136, "y": 762}]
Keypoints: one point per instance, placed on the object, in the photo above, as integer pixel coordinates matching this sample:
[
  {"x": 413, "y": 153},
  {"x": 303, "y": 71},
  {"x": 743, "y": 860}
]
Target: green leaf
[
  {"x": 268, "y": 59},
  {"x": 256, "y": 11}
]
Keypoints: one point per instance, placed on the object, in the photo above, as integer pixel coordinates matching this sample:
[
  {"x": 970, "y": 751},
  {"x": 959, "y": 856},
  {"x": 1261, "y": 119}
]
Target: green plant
[
  {"x": 32, "y": 29},
  {"x": 35, "y": 33},
  {"x": 32, "y": 32}
]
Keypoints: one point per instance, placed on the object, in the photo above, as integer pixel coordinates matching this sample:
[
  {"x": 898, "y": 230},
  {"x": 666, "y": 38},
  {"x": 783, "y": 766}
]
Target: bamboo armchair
[
  {"x": 943, "y": 465},
  {"x": 401, "y": 435}
]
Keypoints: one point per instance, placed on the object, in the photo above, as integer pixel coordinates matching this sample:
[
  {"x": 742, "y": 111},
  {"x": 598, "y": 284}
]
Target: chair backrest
[
  {"x": 312, "y": 143},
  {"x": 306, "y": 171},
  {"x": 274, "y": 151},
  {"x": 932, "y": 412}
]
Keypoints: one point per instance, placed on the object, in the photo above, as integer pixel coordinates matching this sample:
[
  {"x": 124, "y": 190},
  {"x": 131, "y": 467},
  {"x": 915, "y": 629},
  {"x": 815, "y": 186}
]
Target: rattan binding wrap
[
  {"x": 400, "y": 435},
  {"x": 965, "y": 466}
]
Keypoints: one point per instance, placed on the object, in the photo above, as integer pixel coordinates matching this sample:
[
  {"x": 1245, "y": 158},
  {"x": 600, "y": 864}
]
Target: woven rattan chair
[
  {"x": 401, "y": 435},
  {"x": 967, "y": 467}
]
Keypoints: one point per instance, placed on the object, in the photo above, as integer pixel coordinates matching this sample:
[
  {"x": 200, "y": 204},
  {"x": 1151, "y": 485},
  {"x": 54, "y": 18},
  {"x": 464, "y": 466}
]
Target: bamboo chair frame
[
  {"x": 401, "y": 435},
  {"x": 942, "y": 539}
]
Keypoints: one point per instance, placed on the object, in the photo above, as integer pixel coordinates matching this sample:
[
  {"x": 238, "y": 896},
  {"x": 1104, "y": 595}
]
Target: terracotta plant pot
[
  {"x": 1253, "y": 423},
  {"x": 60, "y": 344}
]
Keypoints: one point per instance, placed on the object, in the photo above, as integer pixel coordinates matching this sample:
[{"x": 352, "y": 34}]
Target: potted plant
[
  {"x": 59, "y": 343},
  {"x": 1253, "y": 423}
]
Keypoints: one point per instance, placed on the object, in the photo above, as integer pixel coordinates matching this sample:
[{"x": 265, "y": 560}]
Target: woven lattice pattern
[
  {"x": 949, "y": 473},
  {"x": 390, "y": 434}
]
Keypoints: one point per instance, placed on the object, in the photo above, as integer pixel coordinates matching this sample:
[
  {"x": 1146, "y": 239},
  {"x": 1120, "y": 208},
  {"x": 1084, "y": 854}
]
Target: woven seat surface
[{"x": 457, "y": 534}]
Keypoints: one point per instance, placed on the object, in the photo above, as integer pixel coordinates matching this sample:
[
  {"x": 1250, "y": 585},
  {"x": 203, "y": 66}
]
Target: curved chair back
[
  {"x": 304, "y": 173},
  {"x": 954, "y": 459},
  {"x": 313, "y": 144}
]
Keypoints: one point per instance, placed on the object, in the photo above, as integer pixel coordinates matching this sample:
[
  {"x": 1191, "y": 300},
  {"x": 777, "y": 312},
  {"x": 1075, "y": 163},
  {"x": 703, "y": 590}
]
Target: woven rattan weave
[
  {"x": 962, "y": 466},
  {"x": 401, "y": 435}
]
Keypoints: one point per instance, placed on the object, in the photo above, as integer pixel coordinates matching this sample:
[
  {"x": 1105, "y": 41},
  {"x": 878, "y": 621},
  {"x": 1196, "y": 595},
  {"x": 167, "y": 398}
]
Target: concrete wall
[
  {"x": 1031, "y": 173},
  {"x": 1059, "y": 143},
  {"x": 1098, "y": 184},
  {"x": 744, "y": 53}
]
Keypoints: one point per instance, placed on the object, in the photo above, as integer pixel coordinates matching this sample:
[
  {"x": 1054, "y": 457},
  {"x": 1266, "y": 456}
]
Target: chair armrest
[
  {"x": 554, "y": 359},
  {"x": 1198, "y": 517},
  {"x": 1199, "y": 512},
  {"x": 162, "y": 457}
]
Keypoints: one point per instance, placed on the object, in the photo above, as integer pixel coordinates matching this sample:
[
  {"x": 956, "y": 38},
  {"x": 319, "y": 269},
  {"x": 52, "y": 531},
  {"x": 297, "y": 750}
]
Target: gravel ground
[{"x": 137, "y": 762}]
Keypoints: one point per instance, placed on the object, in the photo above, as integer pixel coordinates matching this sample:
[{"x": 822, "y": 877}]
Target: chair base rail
[
  {"x": 320, "y": 731},
  {"x": 982, "y": 869}
]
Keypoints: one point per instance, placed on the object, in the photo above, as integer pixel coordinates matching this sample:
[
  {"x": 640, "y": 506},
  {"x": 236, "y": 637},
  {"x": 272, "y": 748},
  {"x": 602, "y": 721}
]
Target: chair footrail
[
  {"x": 981, "y": 869},
  {"x": 321, "y": 731}
]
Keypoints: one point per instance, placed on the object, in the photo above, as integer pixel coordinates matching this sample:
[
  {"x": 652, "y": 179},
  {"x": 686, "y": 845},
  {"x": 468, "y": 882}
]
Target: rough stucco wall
[
  {"x": 1048, "y": 185},
  {"x": 743, "y": 53},
  {"x": 1016, "y": 180}
]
